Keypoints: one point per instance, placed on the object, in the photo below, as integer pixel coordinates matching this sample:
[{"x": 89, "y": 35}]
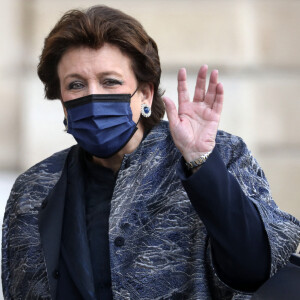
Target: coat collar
[{"x": 50, "y": 223}]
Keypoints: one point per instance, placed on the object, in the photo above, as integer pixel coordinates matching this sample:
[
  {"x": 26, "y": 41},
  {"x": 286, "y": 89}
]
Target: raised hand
[{"x": 194, "y": 126}]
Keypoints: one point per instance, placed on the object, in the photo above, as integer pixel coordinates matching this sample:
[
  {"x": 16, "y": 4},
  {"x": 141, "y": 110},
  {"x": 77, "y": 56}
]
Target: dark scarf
[{"x": 76, "y": 275}]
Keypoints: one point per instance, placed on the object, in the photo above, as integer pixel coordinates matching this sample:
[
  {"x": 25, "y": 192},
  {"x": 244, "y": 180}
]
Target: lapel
[
  {"x": 50, "y": 228},
  {"x": 63, "y": 229}
]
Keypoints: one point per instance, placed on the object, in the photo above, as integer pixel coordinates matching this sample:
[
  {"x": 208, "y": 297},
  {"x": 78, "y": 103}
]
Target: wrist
[{"x": 198, "y": 162}]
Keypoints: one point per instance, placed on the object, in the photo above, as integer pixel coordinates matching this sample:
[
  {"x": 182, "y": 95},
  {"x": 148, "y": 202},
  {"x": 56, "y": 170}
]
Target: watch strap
[{"x": 198, "y": 162}]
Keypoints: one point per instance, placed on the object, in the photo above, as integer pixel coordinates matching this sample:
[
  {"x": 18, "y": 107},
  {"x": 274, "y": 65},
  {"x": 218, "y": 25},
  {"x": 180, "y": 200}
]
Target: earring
[
  {"x": 146, "y": 110},
  {"x": 66, "y": 124}
]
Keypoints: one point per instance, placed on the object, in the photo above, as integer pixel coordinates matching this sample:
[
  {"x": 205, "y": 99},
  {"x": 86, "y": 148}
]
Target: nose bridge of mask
[{"x": 97, "y": 98}]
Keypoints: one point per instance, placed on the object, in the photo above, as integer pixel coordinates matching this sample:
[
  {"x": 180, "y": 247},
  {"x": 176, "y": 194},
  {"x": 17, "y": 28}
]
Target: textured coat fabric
[{"x": 166, "y": 254}]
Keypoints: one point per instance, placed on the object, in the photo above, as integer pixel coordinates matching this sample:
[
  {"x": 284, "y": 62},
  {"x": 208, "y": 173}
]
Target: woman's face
[{"x": 83, "y": 71}]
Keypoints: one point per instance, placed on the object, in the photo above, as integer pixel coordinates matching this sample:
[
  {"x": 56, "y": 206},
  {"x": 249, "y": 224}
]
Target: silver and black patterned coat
[{"x": 167, "y": 250}]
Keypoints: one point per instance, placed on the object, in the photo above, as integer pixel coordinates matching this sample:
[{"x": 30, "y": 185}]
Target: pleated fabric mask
[{"x": 101, "y": 123}]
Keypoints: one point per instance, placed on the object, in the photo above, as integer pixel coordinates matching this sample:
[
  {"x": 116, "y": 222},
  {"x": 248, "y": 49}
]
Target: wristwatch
[{"x": 198, "y": 162}]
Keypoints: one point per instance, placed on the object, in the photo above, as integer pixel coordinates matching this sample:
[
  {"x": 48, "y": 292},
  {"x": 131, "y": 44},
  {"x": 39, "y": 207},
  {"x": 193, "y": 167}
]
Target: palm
[{"x": 194, "y": 126}]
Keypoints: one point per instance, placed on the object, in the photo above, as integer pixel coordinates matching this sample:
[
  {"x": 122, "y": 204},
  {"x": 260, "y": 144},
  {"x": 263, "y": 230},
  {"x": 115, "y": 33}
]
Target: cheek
[{"x": 136, "y": 110}]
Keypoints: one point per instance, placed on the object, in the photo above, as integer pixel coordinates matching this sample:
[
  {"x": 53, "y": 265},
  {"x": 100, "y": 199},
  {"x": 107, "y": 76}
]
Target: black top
[{"x": 99, "y": 186}]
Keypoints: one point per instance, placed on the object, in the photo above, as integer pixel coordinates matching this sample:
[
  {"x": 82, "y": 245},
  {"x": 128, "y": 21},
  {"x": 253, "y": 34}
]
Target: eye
[
  {"x": 76, "y": 85},
  {"x": 111, "y": 82}
]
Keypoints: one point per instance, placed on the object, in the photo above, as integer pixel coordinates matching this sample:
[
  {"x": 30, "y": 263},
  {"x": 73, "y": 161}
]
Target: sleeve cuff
[{"x": 186, "y": 175}]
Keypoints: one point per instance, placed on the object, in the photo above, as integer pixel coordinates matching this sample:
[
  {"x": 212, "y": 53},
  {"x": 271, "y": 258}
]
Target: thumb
[{"x": 171, "y": 111}]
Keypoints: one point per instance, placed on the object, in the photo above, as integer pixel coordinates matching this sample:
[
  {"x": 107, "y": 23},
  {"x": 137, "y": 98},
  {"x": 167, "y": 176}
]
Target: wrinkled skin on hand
[{"x": 194, "y": 126}]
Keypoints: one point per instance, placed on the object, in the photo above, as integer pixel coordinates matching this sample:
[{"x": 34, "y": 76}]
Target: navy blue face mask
[{"x": 101, "y": 123}]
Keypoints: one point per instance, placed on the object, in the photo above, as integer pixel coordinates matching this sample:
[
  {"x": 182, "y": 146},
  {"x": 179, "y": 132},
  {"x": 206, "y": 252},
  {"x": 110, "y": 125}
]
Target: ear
[{"x": 147, "y": 90}]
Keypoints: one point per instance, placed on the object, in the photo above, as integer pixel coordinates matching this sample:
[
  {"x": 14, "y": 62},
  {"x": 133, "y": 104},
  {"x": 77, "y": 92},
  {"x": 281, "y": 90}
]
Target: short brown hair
[{"x": 92, "y": 28}]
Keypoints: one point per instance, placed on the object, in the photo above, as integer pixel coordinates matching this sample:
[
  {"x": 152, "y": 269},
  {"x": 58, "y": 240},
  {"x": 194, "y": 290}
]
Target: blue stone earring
[{"x": 146, "y": 110}]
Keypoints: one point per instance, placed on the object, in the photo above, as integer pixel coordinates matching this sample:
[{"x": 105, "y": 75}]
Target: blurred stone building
[{"x": 254, "y": 44}]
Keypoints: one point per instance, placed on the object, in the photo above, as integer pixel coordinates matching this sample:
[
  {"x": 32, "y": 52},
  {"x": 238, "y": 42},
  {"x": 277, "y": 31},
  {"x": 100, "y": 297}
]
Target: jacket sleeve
[
  {"x": 240, "y": 248},
  {"x": 246, "y": 228},
  {"x": 282, "y": 229}
]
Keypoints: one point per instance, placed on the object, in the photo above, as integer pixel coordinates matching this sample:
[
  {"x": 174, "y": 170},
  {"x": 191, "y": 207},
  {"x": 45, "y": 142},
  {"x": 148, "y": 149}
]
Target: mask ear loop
[
  {"x": 134, "y": 92},
  {"x": 130, "y": 100}
]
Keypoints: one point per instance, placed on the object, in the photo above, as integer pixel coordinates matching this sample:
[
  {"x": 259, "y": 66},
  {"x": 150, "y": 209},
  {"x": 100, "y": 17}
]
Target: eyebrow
[{"x": 107, "y": 73}]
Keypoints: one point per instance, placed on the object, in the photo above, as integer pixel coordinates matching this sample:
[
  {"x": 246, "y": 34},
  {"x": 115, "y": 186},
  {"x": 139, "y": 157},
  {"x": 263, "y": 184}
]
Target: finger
[
  {"x": 218, "y": 104},
  {"x": 171, "y": 111},
  {"x": 200, "y": 84},
  {"x": 183, "y": 94},
  {"x": 212, "y": 88}
]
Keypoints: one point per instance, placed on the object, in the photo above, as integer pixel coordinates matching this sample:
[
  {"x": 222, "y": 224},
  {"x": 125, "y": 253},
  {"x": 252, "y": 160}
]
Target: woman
[{"x": 140, "y": 208}]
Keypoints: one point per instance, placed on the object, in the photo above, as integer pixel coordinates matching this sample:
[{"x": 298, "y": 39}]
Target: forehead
[{"x": 87, "y": 60}]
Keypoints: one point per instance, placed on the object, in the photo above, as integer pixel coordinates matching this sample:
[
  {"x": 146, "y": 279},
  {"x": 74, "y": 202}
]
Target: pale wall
[{"x": 254, "y": 44}]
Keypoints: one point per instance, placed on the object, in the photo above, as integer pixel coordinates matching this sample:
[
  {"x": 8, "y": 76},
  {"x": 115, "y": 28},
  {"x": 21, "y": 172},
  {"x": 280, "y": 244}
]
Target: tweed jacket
[{"x": 167, "y": 250}]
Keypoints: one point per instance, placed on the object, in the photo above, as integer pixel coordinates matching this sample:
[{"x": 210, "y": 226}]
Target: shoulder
[
  {"x": 156, "y": 149},
  {"x": 161, "y": 130},
  {"x": 231, "y": 147},
  {"x": 226, "y": 141},
  {"x": 243, "y": 166},
  {"x": 35, "y": 183},
  {"x": 241, "y": 163},
  {"x": 51, "y": 165},
  {"x": 159, "y": 136}
]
